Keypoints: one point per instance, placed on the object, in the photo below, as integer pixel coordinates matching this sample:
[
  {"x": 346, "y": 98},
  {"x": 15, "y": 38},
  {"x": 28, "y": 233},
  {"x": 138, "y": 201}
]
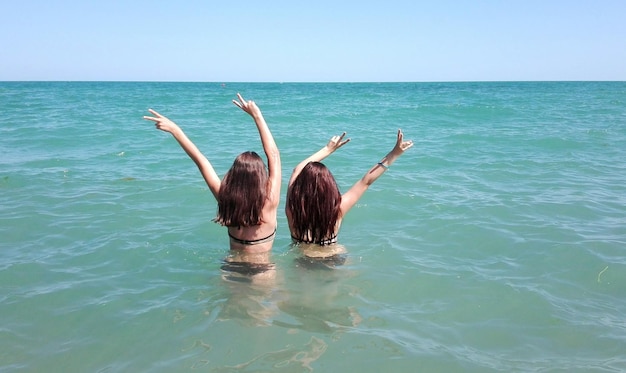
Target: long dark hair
[
  {"x": 314, "y": 203},
  {"x": 243, "y": 192}
]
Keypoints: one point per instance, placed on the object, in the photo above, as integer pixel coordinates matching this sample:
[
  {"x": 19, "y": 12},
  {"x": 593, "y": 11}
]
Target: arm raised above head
[
  {"x": 350, "y": 198},
  {"x": 334, "y": 143},
  {"x": 269, "y": 146},
  {"x": 206, "y": 169}
]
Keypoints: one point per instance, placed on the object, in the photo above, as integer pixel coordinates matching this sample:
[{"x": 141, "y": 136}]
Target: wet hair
[
  {"x": 314, "y": 202},
  {"x": 243, "y": 192}
]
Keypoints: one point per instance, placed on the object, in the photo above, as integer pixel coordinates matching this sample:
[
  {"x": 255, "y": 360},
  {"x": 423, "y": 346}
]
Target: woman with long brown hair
[
  {"x": 315, "y": 207},
  {"x": 249, "y": 194}
]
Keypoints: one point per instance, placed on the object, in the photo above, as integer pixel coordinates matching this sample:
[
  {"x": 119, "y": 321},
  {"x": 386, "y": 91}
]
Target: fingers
[
  {"x": 399, "y": 138},
  {"x": 337, "y": 142},
  {"x": 239, "y": 103},
  {"x": 344, "y": 142},
  {"x": 157, "y": 117},
  {"x": 242, "y": 103},
  {"x": 403, "y": 145},
  {"x": 338, "y": 138}
]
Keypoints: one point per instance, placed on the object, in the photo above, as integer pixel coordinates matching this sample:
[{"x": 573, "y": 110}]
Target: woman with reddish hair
[
  {"x": 248, "y": 195},
  {"x": 315, "y": 207}
]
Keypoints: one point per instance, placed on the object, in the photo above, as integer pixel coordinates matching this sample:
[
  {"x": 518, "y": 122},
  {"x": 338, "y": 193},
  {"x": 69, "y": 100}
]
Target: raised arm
[
  {"x": 350, "y": 198},
  {"x": 334, "y": 143},
  {"x": 205, "y": 167},
  {"x": 269, "y": 147}
]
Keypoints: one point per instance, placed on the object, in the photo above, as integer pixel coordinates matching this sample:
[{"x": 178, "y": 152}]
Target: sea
[{"x": 497, "y": 243}]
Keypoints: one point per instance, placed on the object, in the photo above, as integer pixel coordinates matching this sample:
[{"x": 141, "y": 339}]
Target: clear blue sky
[{"x": 312, "y": 41}]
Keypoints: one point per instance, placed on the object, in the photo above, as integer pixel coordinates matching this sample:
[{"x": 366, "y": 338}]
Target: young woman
[
  {"x": 315, "y": 207},
  {"x": 248, "y": 195}
]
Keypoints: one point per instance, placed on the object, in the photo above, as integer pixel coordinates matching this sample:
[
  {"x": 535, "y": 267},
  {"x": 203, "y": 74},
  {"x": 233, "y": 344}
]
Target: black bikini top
[{"x": 253, "y": 242}]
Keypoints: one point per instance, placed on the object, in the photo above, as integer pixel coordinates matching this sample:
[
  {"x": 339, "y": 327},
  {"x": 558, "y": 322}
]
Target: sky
[{"x": 312, "y": 41}]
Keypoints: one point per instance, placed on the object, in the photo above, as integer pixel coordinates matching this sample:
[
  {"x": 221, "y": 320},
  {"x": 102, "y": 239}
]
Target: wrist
[
  {"x": 383, "y": 164},
  {"x": 389, "y": 159},
  {"x": 176, "y": 131}
]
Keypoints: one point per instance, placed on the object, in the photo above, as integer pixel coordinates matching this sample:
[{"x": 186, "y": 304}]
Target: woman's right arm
[
  {"x": 269, "y": 147},
  {"x": 334, "y": 143},
  {"x": 206, "y": 169}
]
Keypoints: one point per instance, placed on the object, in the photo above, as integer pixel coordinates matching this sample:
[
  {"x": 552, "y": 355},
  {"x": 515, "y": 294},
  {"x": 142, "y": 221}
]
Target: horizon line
[{"x": 311, "y": 82}]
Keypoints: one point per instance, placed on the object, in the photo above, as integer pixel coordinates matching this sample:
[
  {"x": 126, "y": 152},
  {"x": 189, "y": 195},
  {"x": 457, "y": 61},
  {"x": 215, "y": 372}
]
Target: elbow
[
  {"x": 273, "y": 157},
  {"x": 367, "y": 181},
  {"x": 273, "y": 153}
]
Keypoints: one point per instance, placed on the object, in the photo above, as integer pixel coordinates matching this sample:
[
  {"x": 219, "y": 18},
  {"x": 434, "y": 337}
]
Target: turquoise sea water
[{"x": 496, "y": 243}]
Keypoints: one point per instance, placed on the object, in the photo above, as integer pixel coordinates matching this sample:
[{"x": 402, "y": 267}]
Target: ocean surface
[{"x": 497, "y": 243}]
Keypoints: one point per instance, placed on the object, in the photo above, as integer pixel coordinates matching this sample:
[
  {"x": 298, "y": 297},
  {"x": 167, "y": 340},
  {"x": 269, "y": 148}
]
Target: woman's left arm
[{"x": 351, "y": 197}]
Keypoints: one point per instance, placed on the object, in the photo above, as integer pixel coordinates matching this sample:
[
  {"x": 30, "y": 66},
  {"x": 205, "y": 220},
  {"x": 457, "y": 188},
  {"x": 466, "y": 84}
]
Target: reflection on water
[
  {"x": 283, "y": 360},
  {"x": 296, "y": 296},
  {"x": 320, "y": 298},
  {"x": 306, "y": 292},
  {"x": 250, "y": 282}
]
